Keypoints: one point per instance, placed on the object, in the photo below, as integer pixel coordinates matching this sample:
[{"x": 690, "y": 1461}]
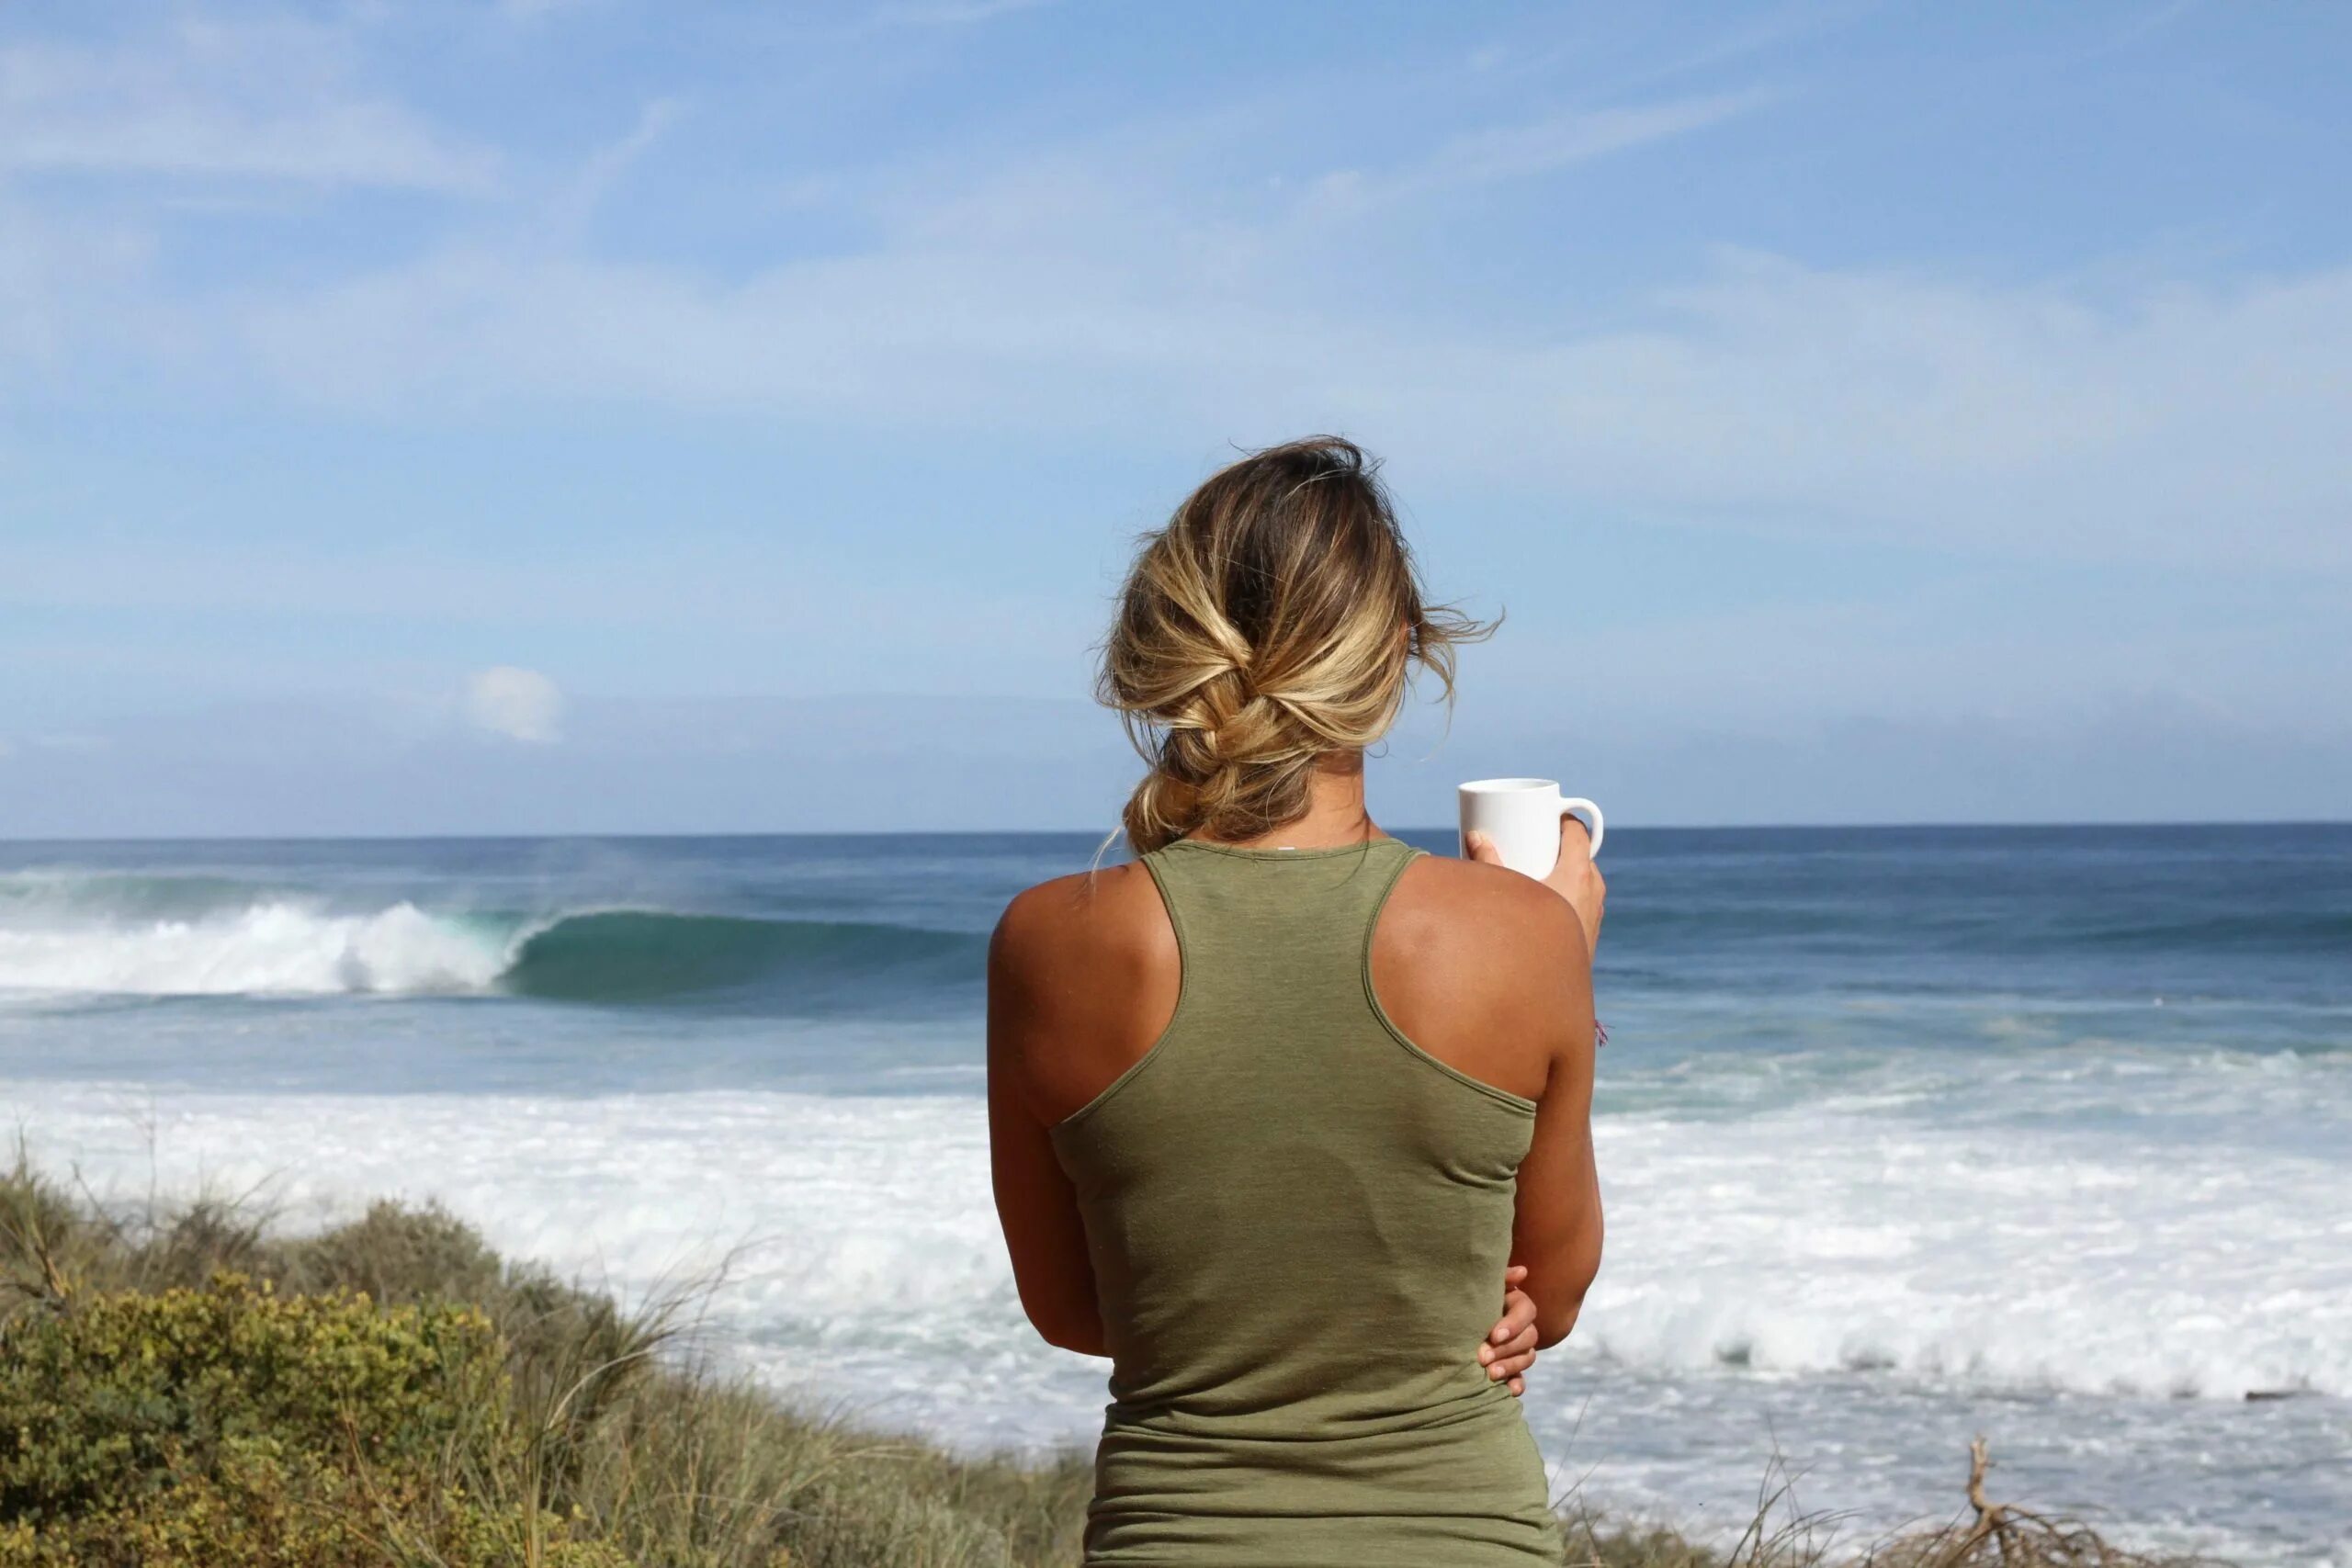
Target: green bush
[{"x": 233, "y": 1425}]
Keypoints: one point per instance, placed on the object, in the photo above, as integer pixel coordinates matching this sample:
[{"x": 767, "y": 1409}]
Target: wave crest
[
  {"x": 274, "y": 948},
  {"x": 285, "y": 947},
  {"x": 620, "y": 956}
]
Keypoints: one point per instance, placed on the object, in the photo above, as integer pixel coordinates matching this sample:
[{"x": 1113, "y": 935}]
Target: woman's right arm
[
  {"x": 1035, "y": 1203},
  {"x": 1557, "y": 1229}
]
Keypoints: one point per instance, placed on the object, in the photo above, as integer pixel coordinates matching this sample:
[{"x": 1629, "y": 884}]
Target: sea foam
[
  {"x": 276, "y": 947},
  {"x": 1779, "y": 1247}
]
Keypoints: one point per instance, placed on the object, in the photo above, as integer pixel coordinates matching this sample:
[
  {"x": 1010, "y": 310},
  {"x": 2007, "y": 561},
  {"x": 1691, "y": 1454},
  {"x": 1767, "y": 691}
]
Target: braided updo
[{"x": 1274, "y": 620}]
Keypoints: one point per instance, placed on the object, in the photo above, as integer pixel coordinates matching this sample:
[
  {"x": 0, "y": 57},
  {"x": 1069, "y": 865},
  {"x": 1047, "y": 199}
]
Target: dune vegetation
[{"x": 186, "y": 1387}]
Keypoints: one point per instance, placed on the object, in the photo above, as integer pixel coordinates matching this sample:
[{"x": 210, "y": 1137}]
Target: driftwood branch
[{"x": 2013, "y": 1537}]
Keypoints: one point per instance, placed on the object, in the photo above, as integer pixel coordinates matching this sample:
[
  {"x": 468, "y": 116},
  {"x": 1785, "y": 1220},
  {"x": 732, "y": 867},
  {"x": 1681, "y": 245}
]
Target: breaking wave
[{"x": 116, "y": 936}]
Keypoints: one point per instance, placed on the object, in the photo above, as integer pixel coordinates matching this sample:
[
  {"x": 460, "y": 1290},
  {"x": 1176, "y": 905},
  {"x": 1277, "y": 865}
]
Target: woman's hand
[
  {"x": 1509, "y": 1349},
  {"x": 1575, "y": 877}
]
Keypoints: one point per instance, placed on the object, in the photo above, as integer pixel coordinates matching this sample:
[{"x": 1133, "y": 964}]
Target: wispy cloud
[
  {"x": 1747, "y": 37},
  {"x": 1129, "y": 283},
  {"x": 532, "y": 10},
  {"x": 608, "y": 165},
  {"x": 1524, "y": 151},
  {"x": 256, "y": 102},
  {"x": 954, "y": 13},
  {"x": 2024, "y": 420}
]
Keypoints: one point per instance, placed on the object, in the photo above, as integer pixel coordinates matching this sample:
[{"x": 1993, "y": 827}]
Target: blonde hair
[{"x": 1273, "y": 621}]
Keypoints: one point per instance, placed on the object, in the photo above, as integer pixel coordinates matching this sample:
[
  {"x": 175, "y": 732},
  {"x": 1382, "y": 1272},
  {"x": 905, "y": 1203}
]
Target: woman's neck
[{"x": 1334, "y": 815}]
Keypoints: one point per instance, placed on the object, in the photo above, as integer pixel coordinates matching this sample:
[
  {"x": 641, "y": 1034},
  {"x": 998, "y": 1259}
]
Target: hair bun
[{"x": 1275, "y": 620}]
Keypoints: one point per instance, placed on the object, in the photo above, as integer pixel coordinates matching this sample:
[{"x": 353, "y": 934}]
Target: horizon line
[{"x": 2019, "y": 825}]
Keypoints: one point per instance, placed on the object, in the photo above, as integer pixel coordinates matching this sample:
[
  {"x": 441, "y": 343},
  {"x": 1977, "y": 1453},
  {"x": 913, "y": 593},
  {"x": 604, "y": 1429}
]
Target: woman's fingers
[
  {"x": 1518, "y": 1314},
  {"x": 1482, "y": 848},
  {"x": 1512, "y": 1366},
  {"x": 1509, "y": 1349},
  {"x": 1510, "y": 1357},
  {"x": 1511, "y": 1362},
  {"x": 1576, "y": 839},
  {"x": 1576, "y": 879}
]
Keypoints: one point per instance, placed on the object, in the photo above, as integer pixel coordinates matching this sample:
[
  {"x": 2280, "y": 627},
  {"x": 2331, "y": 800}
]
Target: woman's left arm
[{"x": 1035, "y": 1200}]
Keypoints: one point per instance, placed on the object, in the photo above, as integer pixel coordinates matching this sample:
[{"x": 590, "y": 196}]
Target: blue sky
[{"x": 593, "y": 415}]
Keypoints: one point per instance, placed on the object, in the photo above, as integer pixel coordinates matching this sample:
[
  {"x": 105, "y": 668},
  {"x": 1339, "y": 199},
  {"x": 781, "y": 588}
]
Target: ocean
[{"x": 1906, "y": 1134}]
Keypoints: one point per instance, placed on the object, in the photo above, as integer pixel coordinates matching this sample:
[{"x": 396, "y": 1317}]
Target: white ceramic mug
[{"x": 1522, "y": 816}]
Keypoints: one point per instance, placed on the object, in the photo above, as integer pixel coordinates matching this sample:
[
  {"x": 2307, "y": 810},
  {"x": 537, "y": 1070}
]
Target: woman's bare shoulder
[
  {"x": 1084, "y": 915},
  {"x": 1481, "y": 967},
  {"x": 1443, "y": 906},
  {"x": 1083, "y": 972}
]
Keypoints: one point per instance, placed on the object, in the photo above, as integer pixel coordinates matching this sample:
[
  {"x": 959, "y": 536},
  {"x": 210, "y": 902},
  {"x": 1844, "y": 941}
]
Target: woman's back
[
  {"x": 1279, "y": 1193},
  {"x": 1298, "y": 1220}
]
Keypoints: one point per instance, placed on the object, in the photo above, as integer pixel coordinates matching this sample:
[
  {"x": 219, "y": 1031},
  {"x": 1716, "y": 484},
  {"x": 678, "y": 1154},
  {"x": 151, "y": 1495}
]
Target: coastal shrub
[
  {"x": 120, "y": 1394},
  {"x": 233, "y": 1425}
]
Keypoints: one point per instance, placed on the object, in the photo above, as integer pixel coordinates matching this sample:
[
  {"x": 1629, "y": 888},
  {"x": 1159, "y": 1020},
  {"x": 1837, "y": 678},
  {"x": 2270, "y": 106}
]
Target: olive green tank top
[{"x": 1299, "y": 1221}]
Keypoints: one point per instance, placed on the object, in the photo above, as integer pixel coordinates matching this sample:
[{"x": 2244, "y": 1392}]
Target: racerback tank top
[{"x": 1298, "y": 1220}]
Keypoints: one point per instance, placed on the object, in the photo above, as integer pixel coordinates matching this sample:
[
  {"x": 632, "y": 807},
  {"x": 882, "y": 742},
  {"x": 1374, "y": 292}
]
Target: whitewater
[
  {"x": 1978, "y": 1132},
  {"x": 275, "y": 948}
]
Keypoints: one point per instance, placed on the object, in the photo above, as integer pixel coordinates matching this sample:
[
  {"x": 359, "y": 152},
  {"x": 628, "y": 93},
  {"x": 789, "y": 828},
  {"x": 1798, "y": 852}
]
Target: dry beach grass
[{"x": 182, "y": 1386}]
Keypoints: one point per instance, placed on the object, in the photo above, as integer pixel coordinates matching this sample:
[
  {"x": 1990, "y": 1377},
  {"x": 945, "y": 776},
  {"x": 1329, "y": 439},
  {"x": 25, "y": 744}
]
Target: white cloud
[
  {"x": 609, "y": 165},
  {"x": 2179, "y": 424},
  {"x": 954, "y": 13},
  {"x": 1131, "y": 286},
  {"x": 243, "y": 101},
  {"x": 1524, "y": 151},
  {"x": 520, "y": 704}
]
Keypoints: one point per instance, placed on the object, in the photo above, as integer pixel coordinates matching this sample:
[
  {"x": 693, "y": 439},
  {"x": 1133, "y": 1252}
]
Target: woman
[{"x": 1273, "y": 1106}]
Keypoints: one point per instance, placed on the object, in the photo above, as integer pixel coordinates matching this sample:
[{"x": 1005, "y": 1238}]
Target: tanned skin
[{"x": 1486, "y": 969}]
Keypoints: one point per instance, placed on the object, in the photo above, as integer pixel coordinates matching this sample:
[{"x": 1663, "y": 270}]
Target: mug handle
[{"x": 1588, "y": 814}]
